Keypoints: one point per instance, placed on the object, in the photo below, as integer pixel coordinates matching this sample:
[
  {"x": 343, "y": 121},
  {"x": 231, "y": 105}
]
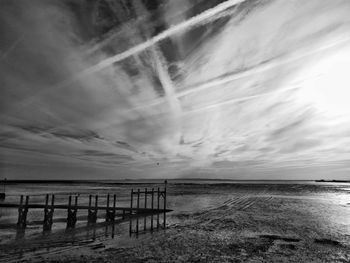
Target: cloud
[{"x": 208, "y": 88}]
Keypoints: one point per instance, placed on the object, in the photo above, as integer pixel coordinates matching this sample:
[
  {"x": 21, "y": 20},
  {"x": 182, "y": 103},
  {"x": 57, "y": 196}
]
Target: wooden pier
[
  {"x": 152, "y": 202},
  {"x": 2, "y": 193}
]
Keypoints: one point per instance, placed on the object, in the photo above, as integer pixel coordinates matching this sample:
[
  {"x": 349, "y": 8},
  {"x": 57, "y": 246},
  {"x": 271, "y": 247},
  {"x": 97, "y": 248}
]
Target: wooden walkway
[{"x": 154, "y": 205}]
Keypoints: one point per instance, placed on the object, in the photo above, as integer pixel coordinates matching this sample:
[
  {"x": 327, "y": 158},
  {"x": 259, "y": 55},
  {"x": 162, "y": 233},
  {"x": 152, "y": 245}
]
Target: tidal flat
[{"x": 216, "y": 221}]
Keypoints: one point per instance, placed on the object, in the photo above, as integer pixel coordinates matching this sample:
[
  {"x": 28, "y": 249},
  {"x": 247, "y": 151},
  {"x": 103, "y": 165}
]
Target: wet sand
[{"x": 214, "y": 223}]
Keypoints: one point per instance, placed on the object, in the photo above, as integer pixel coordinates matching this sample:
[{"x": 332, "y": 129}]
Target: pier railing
[
  {"x": 148, "y": 203},
  {"x": 150, "y": 198}
]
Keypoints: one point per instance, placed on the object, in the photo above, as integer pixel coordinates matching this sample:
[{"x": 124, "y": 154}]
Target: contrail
[
  {"x": 186, "y": 25},
  {"x": 203, "y": 17},
  {"x": 258, "y": 69},
  {"x": 143, "y": 19},
  {"x": 167, "y": 83},
  {"x": 226, "y": 78},
  {"x": 170, "y": 91},
  {"x": 223, "y": 80},
  {"x": 236, "y": 100}
]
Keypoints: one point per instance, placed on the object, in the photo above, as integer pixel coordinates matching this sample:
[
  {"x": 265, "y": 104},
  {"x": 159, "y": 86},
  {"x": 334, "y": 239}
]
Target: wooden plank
[{"x": 144, "y": 192}]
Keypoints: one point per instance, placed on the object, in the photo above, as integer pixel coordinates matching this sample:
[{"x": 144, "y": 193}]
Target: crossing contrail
[
  {"x": 186, "y": 25},
  {"x": 170, "y": 93},
  {"x": 258, "y": 69},
  {"x": 167, "y": 83},
  {"x": 227, "y": 78},
  {"x": 202, "y": 18}
]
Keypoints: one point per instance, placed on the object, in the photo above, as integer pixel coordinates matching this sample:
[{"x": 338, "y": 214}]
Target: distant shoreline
[{"x": 332, "y": 181}]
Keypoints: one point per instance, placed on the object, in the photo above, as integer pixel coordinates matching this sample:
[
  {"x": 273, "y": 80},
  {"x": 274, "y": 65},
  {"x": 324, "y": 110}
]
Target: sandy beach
[{"x": 212, "y": 223}]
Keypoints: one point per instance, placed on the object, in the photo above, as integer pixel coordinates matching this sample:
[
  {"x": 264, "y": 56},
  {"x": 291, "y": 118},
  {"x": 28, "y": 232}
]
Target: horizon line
[{"x": 163, "y": 179}]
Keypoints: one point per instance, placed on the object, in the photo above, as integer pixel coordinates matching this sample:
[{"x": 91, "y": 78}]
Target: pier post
[
  {"x": 72, "y": 212},
  {"x": 69, "y": 212},
  {"x": 137, "y": 211},
  {"x": 48, "y": 213},
  {"x": 164, "y": 204},
  {"x": 96, "y": 210},
  {"x": 110, "y": 212},
  {"x": 107, "y": 217},
  {"x": 52, "y": 209},
  {"x": 22, "y": 213},
  {"x": 145, "y": 218},
  {"x": 113, "y": 230},
  {"x": 114, "y": 205},
  {"x": 20, "y": 209},
  {"x": 3, "y": 195},
  {"x": 92, "y": 212},
  {"x": 131, "y": 204},
  {"x": 89, "y": 210},
  {"x": 158, "y": 195},
  {"x": 46, "y": 202},
  {"x": 75, "y": 210},
  {"x": 131, "y": 201},
  {"x": 25, "y": 211},
  {"x": 152, "y": 199},
  {"x": 46, "y": 210}
]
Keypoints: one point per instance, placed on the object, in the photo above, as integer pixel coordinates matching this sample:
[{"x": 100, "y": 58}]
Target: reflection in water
[
  {"x": 82, "y": 234},
  {"x": 92, "y": 235},
  {"x": 20, "y": 233}
]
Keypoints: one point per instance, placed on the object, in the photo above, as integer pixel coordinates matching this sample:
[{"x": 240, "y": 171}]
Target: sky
[{"x": 175, "y": 89}]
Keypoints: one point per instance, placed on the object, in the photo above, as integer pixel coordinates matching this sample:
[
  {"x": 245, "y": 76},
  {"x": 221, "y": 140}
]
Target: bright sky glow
[{"x": 329, "y": 89}]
